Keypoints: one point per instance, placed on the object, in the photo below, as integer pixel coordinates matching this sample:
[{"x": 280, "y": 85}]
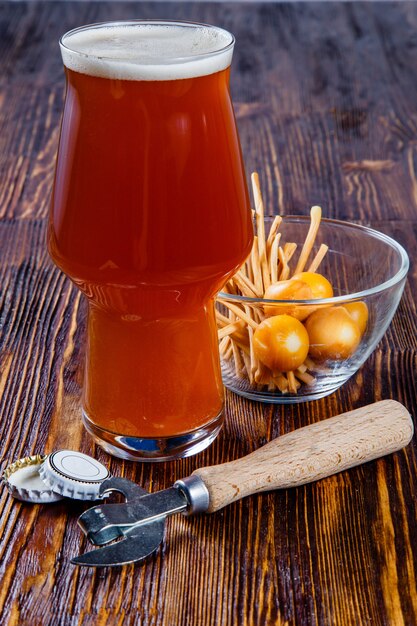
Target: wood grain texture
[
  {"x": 311, "y": 453},
  {"x": 325, "y": 99}
]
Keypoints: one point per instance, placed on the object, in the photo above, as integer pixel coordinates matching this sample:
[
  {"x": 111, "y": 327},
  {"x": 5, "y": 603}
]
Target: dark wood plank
[{"x": 325, "y": 100}]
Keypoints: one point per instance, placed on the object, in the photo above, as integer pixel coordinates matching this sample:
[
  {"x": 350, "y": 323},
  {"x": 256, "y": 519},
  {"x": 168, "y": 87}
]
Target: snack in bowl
[{"x": 308, "y": 306}]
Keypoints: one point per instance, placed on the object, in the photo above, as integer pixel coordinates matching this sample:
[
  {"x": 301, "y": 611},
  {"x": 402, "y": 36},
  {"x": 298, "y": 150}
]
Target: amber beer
[{"x": 149, "y": 217}]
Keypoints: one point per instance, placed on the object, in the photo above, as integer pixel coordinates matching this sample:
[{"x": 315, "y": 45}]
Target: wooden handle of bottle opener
[{"x": 311, "y": 453}]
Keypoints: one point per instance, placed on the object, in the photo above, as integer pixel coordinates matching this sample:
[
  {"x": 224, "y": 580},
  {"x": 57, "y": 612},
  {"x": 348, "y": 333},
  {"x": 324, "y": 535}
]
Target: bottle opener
[{"x": 302, "y": 456}]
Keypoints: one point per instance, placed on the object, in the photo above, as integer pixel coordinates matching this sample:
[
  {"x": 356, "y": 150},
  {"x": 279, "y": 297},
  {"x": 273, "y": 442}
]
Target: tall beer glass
[{"x": 149, "y": 217}]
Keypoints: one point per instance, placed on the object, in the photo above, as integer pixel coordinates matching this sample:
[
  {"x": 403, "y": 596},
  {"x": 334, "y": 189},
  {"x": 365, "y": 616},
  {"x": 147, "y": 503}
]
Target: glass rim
[
  {"x": 149, "y": 22},
  {"x": 359, "y": 295}
]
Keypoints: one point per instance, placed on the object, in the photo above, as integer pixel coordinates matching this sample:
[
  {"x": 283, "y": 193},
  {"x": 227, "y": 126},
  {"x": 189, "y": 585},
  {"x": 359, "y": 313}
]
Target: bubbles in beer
[{"x": 147, "y": 51}]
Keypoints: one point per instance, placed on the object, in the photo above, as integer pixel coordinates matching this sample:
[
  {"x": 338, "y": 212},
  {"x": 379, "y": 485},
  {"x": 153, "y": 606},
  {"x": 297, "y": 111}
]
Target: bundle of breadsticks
[{"x": 271, "y": 260}]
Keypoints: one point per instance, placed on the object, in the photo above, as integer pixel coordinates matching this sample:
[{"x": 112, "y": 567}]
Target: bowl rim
[{"x": 359, "y": 295}]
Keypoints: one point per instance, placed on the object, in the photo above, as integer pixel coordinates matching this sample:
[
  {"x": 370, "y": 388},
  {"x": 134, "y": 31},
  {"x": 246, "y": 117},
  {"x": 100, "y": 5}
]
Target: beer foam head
[{"x": 147, "y": 50}]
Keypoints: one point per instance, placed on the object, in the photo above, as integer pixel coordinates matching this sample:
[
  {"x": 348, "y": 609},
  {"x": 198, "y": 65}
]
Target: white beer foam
[{"x": 147, "y": 51}]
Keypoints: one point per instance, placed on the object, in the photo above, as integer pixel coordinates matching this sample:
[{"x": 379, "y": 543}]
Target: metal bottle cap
[
  {"x": 73, "y": 474},
  {"x": 24, "y": 483}
]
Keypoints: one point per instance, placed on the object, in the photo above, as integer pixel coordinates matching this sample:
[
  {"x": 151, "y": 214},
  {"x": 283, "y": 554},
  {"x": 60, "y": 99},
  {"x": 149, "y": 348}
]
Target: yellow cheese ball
[
  {"x": 281, "y": 343},
  {"x": 319, "y": 285},
  {"x": 333, "y": 334},
  {"x": 288, "y": 290},
  {"x": 358, "y": 311}
]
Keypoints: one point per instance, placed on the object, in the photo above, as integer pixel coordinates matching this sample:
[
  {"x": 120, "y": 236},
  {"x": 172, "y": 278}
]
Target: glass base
[{"x": 149, "y": 449}]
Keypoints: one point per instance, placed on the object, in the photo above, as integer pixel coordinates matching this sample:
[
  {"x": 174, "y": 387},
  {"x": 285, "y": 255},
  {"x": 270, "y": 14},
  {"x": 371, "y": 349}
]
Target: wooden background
[{"x": 326, "y": 100}]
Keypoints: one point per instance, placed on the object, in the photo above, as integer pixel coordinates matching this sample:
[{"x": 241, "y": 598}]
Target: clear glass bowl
[{"x": 363, "y": 266}]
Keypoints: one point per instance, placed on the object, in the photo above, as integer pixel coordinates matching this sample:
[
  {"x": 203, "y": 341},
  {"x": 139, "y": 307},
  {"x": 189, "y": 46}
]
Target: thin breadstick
[
  {"x": 302, "y": 368},
  {"x": 259, "y": 378},
  {"x": 243, "y": 270},
  {"x": 236, "y": 333},
  {"x": 292, "y": 382},
  {"x": 260, "y": 229},
  {"x": 256, "y": 266},
  {"x": 259, "y": 373},
  {"x": 310, "y": 363},
  {"x": 259, "y": 204},
  {"x": 238, "y": 360},
  {"x": 263, "y": 375},
  {"x": 264, "y": 268},
  {"x": 273, "y": 260},
  {"x": 223, "y": 345},
  {"x": 230, "y": 329},
  {"x": 231, "y": 288},
  {"x": 244, "y": 347},
  {"x": 285, "y": 270},
  {"x": 314, "y": 265},
  {"x": 253, "y": 359},
  {"x": 244, "y": 289},
  {"x": 288, "y": 253},
  {"x": 254, "y": 363},
  {"x": 229, "y": 353},
  {"x": 249, "y": 269},
  {"x": 234, "y": 289},
  {"x": 246, "y": 359},
  {"x": 239, "y": 334},
  {"x": 281, "y": 382},
  {"x": 305, "y": 377},
  {"x": 272, "y": 231},
  {"x": 222, "y": 319},
  {"x": 289, "y": 250},
  {"x": 241, "y": 315},
  {"x": 315, "y": 215},
  {"x": 248, "y": 284},
  {"x": 258, "y": 315}
]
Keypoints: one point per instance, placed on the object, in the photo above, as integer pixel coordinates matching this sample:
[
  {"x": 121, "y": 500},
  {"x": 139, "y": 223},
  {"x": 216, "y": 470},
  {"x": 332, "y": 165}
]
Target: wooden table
[{"x": 326, "y": 100}]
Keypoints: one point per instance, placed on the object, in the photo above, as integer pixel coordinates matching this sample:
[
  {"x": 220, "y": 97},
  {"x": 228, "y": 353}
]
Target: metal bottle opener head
[{"x": 138, "y": 522}]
